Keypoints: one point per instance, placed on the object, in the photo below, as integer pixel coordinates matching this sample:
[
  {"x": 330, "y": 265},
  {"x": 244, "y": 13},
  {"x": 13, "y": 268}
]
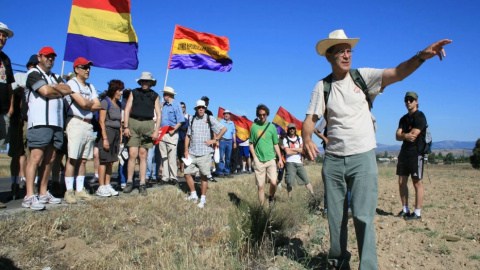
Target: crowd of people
[{"x": 57, "y": 118}]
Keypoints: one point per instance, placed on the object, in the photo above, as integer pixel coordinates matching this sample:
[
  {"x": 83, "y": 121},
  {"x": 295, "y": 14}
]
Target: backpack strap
[
  {"x": 259, "y": 137},
  {"x": 208, "y": 121}
]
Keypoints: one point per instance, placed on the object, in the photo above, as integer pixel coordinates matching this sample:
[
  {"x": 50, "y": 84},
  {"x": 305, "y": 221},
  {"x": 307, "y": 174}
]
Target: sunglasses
[
  {"x": 84, "y": 67},
  {"x": 409, "y": 99}
]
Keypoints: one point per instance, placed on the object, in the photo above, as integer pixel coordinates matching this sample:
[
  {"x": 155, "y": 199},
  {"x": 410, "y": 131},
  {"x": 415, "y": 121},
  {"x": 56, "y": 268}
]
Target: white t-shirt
[
  {"x": 293, "y": 143},
  {"x": 88, "y": 91},
  {"x": 349, "y": 122}
]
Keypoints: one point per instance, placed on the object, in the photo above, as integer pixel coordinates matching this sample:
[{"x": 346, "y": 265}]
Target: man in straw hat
[
  {"x": 6, "y": 78},
  {"x": 227, "y": 143},
  {"x": 350, "y": 151},
  {"x": 144, "y": 104},
  {"x": 204, "y": 131},
  {"x": 172, "y": 115}
]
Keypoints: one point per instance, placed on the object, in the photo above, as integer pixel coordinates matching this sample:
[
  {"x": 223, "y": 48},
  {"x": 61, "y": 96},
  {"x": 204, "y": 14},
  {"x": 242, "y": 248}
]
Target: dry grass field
[{"x": 163, "y": 231}]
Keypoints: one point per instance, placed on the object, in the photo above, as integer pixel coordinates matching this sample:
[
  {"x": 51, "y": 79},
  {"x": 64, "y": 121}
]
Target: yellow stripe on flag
[
  {"x": 101, "y": 24},
  {"x": 242, "y": 133},
  {"x": 187, "y": 46}
]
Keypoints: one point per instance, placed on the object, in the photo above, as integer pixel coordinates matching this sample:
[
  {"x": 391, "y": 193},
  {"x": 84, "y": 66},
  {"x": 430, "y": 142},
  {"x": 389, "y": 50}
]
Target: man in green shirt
[{"x": 264, "y": 147}]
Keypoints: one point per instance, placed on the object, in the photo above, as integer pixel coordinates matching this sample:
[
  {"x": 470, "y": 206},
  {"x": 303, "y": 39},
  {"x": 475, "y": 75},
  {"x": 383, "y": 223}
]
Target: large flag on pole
[
  {"x": 242, "y": 124},
  {"x": 195, "y": 50},
  {"x": 102, "y": 31},
  {"x": 283, "y": 118}
]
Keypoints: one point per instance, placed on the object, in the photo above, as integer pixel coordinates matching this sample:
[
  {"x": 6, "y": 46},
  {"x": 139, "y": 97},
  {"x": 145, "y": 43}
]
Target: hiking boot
[
  {"x": 69, "y": 197},
  {"x": 142, "y": 189},
  {"x": 402, "y": 214},
  {"x": 193, "y": 198},
  {"x": 128, "y": 188},
  {"x": 202, "y": 203},
  {"x": 33, "y": 203},
  {"x": 48, "y": 198},
  {"x": 2, "y": 205},
  {"x": 103, "y": 191},
  {"x": 413, "y": 217},
  {"x": 83, "y": 195},
  {"x": 112, "y": 191}
]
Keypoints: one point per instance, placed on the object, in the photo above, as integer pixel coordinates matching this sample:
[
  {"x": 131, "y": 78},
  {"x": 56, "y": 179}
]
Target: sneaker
[
  {"x": 142, "y": 189},
  {"x": 103, "y": 191},
  {"x": 413, "y": 217},
  {"x": 83, "y": 195},
  {"x": 22, "y": 183},
  {"x": 69, "y": 197},
  {"x": 128, "y": 187},
  {"x": 93, "y": 180},
  {"x": 193, "y": 198},
  {"x": 112, "y": 191},
  {"x": 123, "y": 185},
  {"x": 211, "y": 179},
  {"x": 402, "y": 214},
  {"x": 244, "y": 171},
  {"x": 202, "y": 203},
  {"x": 48, "y": 198},
  {"x": 33, "y": 203},
  {"x": 279, "y": 185}
]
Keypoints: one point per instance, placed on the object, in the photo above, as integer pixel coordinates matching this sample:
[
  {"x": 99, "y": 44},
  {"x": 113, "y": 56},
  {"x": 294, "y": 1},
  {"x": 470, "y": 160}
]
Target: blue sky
[{"x": 272, "y": 45}]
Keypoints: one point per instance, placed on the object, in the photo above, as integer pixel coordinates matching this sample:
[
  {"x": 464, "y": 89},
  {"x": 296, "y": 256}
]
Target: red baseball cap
[
  {"x": 46, "y": 51},
  {"x": 82, "y": 61}
]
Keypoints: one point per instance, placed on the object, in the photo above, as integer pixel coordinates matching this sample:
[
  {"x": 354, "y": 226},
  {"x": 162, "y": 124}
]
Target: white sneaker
[
  {"x": 103, "y": 191},
  {"x": 123, "y": 185},
  {"x": 202, "y": 203},
  {"x": 193, "y": 198},
  {"x": 112, "y": 191},
  {"x": 33, "y": 203},
  {"x": 22, "y": 183},
  {"x": 279, "y": 185},
  {"x": 48, "y": 198}
]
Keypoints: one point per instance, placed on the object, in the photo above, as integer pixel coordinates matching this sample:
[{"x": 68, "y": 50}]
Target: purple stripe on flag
[
  {"x": 103, "y": 53},
  {"x": 200, "y": 61}
]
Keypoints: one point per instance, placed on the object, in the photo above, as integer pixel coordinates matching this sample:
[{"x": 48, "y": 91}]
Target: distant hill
[{"x": 441, "y": 145}]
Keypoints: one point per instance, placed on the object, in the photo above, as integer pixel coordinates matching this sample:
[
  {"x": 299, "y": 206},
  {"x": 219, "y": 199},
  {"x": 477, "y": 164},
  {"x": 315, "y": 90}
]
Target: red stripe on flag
[
  {"x": 210, "y": 39},
  {"x": 117, "y": 6}
]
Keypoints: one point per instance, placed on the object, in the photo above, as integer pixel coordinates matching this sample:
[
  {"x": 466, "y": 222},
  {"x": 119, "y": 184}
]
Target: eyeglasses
[
  {"x": 84, "y": 67},
  {"x": 342, "y": 51},
  {"x": 292, "y": 128},
  {"x": 262, "y": 114},
  {"x": 3, "y": 35},
  {"x": 409, "y": 99}
]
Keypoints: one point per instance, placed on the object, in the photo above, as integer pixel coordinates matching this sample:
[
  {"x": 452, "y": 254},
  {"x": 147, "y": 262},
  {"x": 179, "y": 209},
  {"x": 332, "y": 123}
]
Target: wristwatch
[{"x": 216, "y": 139}]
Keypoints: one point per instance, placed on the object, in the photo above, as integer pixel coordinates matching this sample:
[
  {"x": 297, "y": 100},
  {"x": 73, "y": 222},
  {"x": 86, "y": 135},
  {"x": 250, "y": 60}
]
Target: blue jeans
[
  {"x": 153, "y": 158},
  {"x": 225, "y": 152},
  {"x": 122, "y": 172}
]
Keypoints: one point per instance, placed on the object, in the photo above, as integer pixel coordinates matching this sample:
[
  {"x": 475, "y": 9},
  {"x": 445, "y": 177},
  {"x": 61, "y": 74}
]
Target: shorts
[
  {"x": 265, "y": 171},
  {"x": 16, "y": 140},
  {"x": 80, "y": 139},
  {"x": 113, "y": 136},
  {"x": 139, "y": 128},
  {"x": 42, "y": 136},
  {"x": 245, "y": 151},
  {"x": 202, "y": 163},
  {"x": 410, "y": 165},
  {"x": 292, "y": 171}
]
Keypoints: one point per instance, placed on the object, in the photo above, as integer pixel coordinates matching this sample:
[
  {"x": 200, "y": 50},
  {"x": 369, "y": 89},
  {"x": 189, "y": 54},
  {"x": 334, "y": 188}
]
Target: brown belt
[{"x": 82, "y": 119}]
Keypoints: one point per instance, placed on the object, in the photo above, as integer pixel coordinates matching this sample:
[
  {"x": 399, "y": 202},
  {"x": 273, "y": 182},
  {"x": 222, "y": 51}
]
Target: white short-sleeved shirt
[
  {"x": 293, "y": 143},
  {"x": 349, "y": 123},
  {"x": 88, "y": 91}
]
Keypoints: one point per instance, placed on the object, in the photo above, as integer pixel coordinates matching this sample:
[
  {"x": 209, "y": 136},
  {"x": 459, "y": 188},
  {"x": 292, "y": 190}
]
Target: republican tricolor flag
[
  {"x": 283, "y": 118},
  {"x": 242, "y": 125},
  {"x": 195, "y": 50},
  {"x": 102, "y": 31}
]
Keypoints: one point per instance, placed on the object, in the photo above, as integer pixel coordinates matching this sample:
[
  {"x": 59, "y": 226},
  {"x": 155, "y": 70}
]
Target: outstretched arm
[
  {"x": 392, "y": 75},
  {"x": 310, "y": 149}
]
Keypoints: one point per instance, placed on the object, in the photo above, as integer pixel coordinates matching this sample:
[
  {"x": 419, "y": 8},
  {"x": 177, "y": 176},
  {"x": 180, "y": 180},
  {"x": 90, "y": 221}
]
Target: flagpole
[
  {"x": 170, "y": 57},
  {"x": 63, "y": 66}
]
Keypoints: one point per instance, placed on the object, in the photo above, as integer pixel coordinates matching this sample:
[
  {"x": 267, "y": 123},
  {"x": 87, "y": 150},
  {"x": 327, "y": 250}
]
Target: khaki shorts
[
  {"x": 265, "y": 171},
  {"x": 202, "y": 163},
  {"x": 137, "y": 129},
  {"x": 296, "y": 170},
  {"x": 80, "y": 139}
]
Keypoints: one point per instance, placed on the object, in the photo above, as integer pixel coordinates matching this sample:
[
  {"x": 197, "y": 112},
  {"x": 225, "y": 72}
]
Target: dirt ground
[{"x": 448, "y": 235}]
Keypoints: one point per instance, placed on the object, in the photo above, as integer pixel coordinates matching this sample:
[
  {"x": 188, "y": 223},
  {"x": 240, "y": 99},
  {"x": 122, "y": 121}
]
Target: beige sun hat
[
  {"x": 168, "y": 90},
  {"x": 334, "y": 38},
  {"x": 147, "y": 76},
  {"x": 200, "y": 103},
  {"x": 4, "y": 28}
]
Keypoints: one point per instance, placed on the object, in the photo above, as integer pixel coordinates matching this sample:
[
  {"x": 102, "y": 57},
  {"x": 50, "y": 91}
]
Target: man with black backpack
[
  {"x": 411, "y": 130},
  {"x": 45, "y": 126},
  {"x": 345, "y": 98},
  {"x": 80, "y": 136}
]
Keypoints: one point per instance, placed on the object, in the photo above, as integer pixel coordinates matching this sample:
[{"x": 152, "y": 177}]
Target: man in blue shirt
[
  {"x": 172, "y": 116},
  {"x": 228, "y": 140}
]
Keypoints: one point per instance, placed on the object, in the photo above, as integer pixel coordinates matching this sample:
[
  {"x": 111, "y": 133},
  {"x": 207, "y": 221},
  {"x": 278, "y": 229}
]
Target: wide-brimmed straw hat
[
  {"x": 168, "y": 90},
  {"x": 334, "y": 38},
  {"x": 4, "y": 28},
  {"x": 200, "y": 103},
  {"x": 147, "y": 76}
]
